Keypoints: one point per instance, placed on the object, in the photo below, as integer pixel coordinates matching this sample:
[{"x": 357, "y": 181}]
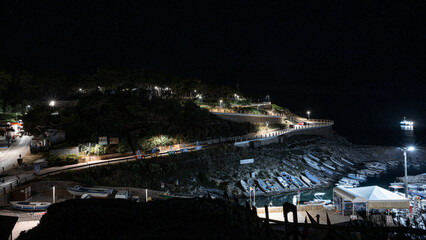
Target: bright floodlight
[
  {"x": 221, "y": 100},
  {"x": 52, "y": 103},
  {"x": 308, "y": 112},
  {"x": 411, "y": 148}
]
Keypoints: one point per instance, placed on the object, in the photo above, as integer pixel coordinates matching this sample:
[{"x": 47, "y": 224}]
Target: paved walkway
[{"x": 8, "y": 157}]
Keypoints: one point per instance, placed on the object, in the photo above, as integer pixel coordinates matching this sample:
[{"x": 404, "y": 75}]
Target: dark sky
[{"x": 311, "y": 47}]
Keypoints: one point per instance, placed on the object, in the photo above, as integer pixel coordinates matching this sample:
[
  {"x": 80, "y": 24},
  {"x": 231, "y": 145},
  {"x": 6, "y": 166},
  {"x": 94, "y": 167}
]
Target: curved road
[{"x": 8, "y": 158}]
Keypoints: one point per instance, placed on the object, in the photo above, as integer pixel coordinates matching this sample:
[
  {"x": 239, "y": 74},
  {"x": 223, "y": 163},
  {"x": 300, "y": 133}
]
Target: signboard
[
  {"x": 247, "y": 161},
  {"x": 103, "y": 141},
  {"x": 154, "y": 154},
  {"x": 113, "y": 140}
]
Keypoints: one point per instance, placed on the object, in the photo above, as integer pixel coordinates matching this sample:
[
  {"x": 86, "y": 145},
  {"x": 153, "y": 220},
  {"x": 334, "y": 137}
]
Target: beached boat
[
  {"x": 299, "y": 182},
  {"x": 376, "y": 166},
  {"x": 311, "y": 177},
  {"x": 244, "y": 186},
  {"x": 358, "y": 177},
  {"x": 282, "y": 182},
  {"x": 327, "y": 171},
  {"x": 311, "y": 163},
  {"x": 94, "y": 192},
  {"x": 347, "y": 161},
  {"x": 262, "y": 185},
  {"x": 306, "y": 180},
  {"x": 337, "y": 162},
  {"x": 368, "y": 172},
  {"x": 329, "y": 166},
  {"x": 318, "y": 200},
  {"x": 313, "y": 157},
  {"x": 30, "y": 206}
]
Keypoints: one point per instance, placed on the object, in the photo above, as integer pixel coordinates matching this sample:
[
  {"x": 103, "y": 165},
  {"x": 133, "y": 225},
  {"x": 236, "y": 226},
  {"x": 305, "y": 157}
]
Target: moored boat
[
  {"x": 282, "y": 182},
  {"x": 30, "y": 206},
  {"x": 347, "y": 161},
  {"x": 311, "y": 163},
  {"x": 306, "y": 180},
  {"x": 94, "y": 192},
  {"x": 313, "y": 157},
  {"x": 318, "y": 199},
  {"x": 262, "y": 185},
  {"x": 311, "y": 177},
  {"x": 358, "y": 177},
  {"x": 326, "y": 170},
  {"x": 329, "y": 166},
  {"x": 337, "y": 162}
]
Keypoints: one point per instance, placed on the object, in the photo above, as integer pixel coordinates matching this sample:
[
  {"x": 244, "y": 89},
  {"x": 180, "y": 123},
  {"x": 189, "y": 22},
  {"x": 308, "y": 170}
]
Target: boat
[
  {"x": 94, "y": 192},
  {"x": 367, "y": 172},
  {"x": 311, "y": 177},
  {"x": 30, "y": 206},
  {"x": 326, "y": 170},
  {"x": 337, "y": 162},
  {"x": 282, "y": 182},
  {"x": 245, "y": 186},
  {"x": 350, "y": 181},
  {"x": 406, "y": 123},
  {"x": 318, "y": 200},
  {"x": 288, "y": 164},
  {"x": 376, "y": 166},
  {"x": 262, "y": 185},
  {"x": 270, "y": 186},
  {"x": 358, "y": 177},
  {"x": 311, "y": 163},
  {"x": 313, "y": 157},
  {"x": 329, "y": 166},
  {"x": 347, "y": 161},
  {"x": 306, "y": 180}
]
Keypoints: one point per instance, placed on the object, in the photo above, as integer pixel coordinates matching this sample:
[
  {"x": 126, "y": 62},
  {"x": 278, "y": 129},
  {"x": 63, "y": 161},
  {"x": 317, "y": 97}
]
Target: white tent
[{"x": 375, "y": 197}]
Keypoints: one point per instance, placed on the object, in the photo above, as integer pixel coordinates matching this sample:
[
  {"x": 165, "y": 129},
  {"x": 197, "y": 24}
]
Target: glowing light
[
  {"x": 411, "y": 148},
  {"x": 52, "y": 103}
]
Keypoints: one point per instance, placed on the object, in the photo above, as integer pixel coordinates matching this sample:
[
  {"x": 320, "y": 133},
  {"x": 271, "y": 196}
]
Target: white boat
[
  {"x": 368, "y": 172},
  {"x": 318, "y": 199},
  {"x": 313, "y": 157},
  {"x": 245, "y": 186},
  {"x": 406, "y": 123},
  {"x": 262, "y": 185},
  {"x": 306, "y": 180},
  {"x": 376, "y": 166},
  {"x": 329, "y": 166},
  {"x": 270, "y": 186},
  {"x": 347, "y": 161},
  {"x": 337, "y": 162},
  {"x": 282, "y": 182},
  {"x": 353, "y": 181},
  {"x": 94, "y": 192},
  {"x": 311, "y": 163},
  {"x": 30, "y": 206}
]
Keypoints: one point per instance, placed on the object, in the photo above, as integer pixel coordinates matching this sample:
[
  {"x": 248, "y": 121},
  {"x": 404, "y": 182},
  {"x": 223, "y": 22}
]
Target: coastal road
[{"x": 8, "y": 157}]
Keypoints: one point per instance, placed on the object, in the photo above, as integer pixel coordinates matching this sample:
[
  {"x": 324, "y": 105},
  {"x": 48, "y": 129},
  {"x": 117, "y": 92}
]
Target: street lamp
[
  {"x": 52, "y": 103},
  {"x": 309, "y": 113},
  {"x": 220, "y": 103},
  {"x": 405, "y": 150}
]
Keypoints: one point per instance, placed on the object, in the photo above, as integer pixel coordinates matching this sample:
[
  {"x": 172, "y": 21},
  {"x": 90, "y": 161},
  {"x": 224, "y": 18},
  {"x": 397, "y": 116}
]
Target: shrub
[
  {"x": 68, "y": 159},
  {"x": 99, "y": 149}
]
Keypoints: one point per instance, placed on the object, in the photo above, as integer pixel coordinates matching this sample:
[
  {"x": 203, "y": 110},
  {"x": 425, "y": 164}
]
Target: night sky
[{"x": 284, "y": 48}]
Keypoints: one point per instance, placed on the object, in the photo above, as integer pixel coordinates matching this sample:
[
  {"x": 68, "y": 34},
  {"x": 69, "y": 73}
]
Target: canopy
[{"x": 375, "y": 197}]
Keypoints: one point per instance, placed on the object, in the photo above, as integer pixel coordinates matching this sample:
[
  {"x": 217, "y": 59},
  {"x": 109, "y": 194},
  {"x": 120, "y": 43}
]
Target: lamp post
[
  {"x": 220, "y": 103},
  {"x": 53, "y": 193},
  {"x": 405, "y": 150},
  {"x": 309, "y": 114}
]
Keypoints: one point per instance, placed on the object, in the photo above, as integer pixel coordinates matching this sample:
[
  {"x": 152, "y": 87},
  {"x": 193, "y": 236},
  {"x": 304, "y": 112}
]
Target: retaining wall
[{"x": 239, "y": 117}]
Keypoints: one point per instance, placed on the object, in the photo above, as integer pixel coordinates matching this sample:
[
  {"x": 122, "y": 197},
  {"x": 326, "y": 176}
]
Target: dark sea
[{"x": 363, "y": 119}]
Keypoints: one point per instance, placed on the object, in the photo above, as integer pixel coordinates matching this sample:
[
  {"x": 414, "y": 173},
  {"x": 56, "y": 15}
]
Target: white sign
[{"x": 247, "y": 161}]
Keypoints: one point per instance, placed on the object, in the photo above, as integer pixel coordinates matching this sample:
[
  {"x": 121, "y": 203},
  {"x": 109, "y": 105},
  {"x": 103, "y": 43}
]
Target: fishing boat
[
  {"x": 311, "y": 163},
  {"x": 306, "y": 180},
  {"x": 94, "y": 192},
  {"x": 262, "y": 185},
  {"x": 30, "y": 206},
  {"x": 347, "y": 161},
  {"x": 327, "y": 171},
  {"x": 358, "y": 177},
  {"x": 244, "y": 186},
  {"x": 318, "y": 200},
  {"x": 282, "y": 182},
  {"x": 337, "y": 162},
  {"x": 311, "y": 177}
]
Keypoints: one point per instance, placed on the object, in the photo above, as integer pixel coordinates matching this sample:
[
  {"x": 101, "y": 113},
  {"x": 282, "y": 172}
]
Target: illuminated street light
[
  {"x": 220, "y": 102},
  {"x": 405, "y": 150},
  {"x": 309, "y": 114},
  {"x": 52, "y": 103}
]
